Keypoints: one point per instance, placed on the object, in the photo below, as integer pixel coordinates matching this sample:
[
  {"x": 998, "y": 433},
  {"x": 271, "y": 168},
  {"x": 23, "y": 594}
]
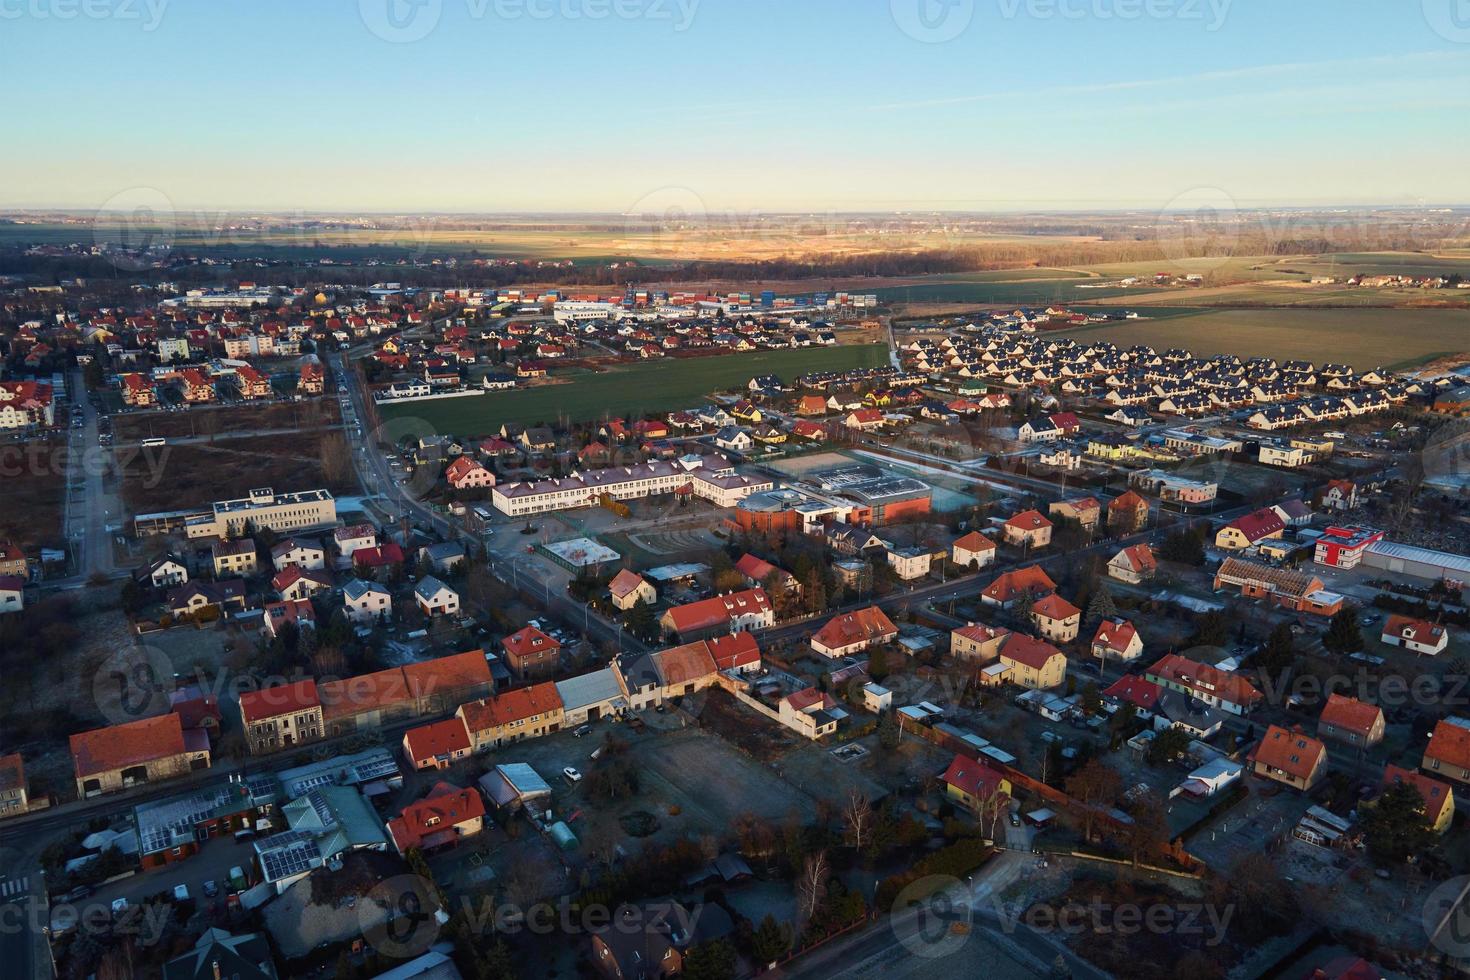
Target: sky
[{"x": 624, "y": 106}]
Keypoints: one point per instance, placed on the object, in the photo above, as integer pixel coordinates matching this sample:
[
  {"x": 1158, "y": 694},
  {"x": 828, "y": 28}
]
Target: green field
[
  {"x": 1364, "y": 338},
  {"x": 630, "y": 392}
]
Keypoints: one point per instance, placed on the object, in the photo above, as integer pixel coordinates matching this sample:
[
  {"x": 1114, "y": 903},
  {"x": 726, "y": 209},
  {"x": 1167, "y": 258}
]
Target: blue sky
[{"x": 771, "y": 104}]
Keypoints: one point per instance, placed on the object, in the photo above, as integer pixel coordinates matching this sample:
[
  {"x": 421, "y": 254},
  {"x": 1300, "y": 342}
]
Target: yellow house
[
  {"x": 977, "y": 643},
  {"x": 1111, "y": 448},
  {"x": 1027, "y": 662},
  {"x": 1439, "y": 798},
  {"x": 878, "y": 399},
  {"x": 974, "y": 786}
]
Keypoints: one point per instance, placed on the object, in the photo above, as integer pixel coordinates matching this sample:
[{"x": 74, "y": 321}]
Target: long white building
[
  {"x": 710, "y": 478},
  {"x": 262, "y": 508}
]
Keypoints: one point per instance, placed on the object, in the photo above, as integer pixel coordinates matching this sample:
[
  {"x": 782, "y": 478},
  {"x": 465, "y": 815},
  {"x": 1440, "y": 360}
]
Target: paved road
[{"x": 22, "y": 899}]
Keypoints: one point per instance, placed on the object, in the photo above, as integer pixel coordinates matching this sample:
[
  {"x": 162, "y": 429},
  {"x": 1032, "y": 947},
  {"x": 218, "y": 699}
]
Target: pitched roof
[
  {"x": 1350, "y": 714},
  {"x": 1115, "y": 634},
  {"x": 440, "y": 738},
  {"x": 1139, "y": 557},
  {"x": 528, "y": 640},
  {"x": 859, "y": 626},
  {"x": 708, "y": 613},
  {"x": 971, "y": 778},
  {"x": 1128, "y": 501},
  {"x": 1258, "y": 525},
  {"x": 755, "y": 569},
  {"x": 1031, "y": 579},
  {"x": 1135, "y": 690},
  {"x": 1437, "y": 795},
  {"x": 1055, "y": 607},
  {"x": 1450, "y": 743},
  {"x": 1031, "y": 520},
  {"x": 625, "y": 583},
  {"x": 444, "y": 808},
  {"x": 284, "y": 699},
  {"x": 684, "y": 664},
  {"x": 518, "y": 705},
  {"x": 735, "y": 650},
  {"x": 1224, "y": 684},
  {"x": 1028, "y": 650},
  {"x": 1294, "y": 753},
  {"x": 1414, "y": 630},
  {"x": 129, "y": 744},
  {"x": 974, "y": 541}
]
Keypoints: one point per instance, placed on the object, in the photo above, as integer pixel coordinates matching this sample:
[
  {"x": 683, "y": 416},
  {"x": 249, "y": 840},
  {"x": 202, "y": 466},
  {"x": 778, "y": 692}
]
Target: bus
[{"x": 155, "y": 441}]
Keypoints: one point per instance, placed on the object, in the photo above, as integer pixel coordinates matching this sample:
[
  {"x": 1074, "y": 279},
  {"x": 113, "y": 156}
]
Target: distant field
[
  {"x": 631, "y": 391},
  {"x": 1364, "y": 338}
]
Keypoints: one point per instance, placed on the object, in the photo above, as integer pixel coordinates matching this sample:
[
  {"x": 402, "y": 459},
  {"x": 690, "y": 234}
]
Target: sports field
[
  {"x": 632, "y": 391},
  {"x": 1364, "y": 338}
]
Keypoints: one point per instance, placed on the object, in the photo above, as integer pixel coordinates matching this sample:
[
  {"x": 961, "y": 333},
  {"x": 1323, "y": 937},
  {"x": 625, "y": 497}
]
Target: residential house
[
  {"x": 1415, "y": 634},
  {"x": 979, "y": 789},
  {"x": 1127, "y": 514},
  {"x": 1217, "y": 688},
  {"x": 295, "y": 583},
  {"x": 531, "y": 653},
  {"x": 675, "y": 672},
  {"x": 194, "y": 598},
  {"x": 281, "y": 717},
  {"x": 1340, "y": 495},
  {"x": 1250, "y": 530},
  {"x": 1448, "y": 751},
  {"x": 350, "y": 540},
  {"x": 438, "y": 745},
  {"x": 909, "y": 564},
  {"x": 443, "y": 818},
  {"x": 306, "y": 554},
  {"x": 735, "y": 612},
  {"x": 365, "y": 603},
  {"x": 1086, "y": 511},
  {"x": 14, "y": 792},
  {"x": 977, "y": 643},
  {"x": 468, "y": 473},
  {"x": 12, "y": 594},
  {"x": 628, "y": 588},
  {"x": 1300, "y": 592},
  {"x": 1116, "y": 640},
  {"x": 973, "y": 551},
  {"x": 217, "y": 954},
  {"x": 1026, "y": 662},
  {"x": 443, "y": 557},
  {"x": 1028, "y": 529},
  {"x": 1135, "y": 564},
  {"x": 1349, "y": 720},
  {"x": 1056, "y": 618},
  {"x": 232, "y": 558},
  {"x": 1030, "y": 581},
  {"x": 809, "y": 712},
  {"x": 1439, "y": 797},
  {"x": 13, "y": 561},
  {"x": 854, "y": 632},
  {"x": 1292, "y": 758},
  {"x": 293, "y": 612},
  {"x": 434, "y": 598},
  {"x": 527, "y": 712}
]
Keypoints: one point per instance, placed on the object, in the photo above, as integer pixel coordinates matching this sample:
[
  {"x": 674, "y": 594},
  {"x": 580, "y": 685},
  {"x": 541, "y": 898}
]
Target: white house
[
  {"x": 910, "y": 563},
  {"x": 877, "y": 698},
  {"x": 350, "y": 540},
  {"x": 12, "y": 594},
  {"x": 306, "y": 554},
  {"x": 165, "y": 573},
  {"x": 734, "y": 439},
  {"x": 435, "y": 598},
  {"x": 1415, "y": 634},
  {"x": 974, "y": 550},
  {"x": 365, "y": 602}
]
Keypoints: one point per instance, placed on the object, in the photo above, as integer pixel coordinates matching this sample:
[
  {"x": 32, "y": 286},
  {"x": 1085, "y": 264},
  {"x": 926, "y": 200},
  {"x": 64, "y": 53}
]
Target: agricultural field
[
  {"x": 1364, "y": 338},
  {"x": 632, "y": 391}
]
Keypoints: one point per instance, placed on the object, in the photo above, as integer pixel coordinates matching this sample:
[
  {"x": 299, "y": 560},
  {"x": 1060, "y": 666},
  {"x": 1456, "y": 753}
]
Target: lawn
[
  {"x": 634, "y": 391},
  {"x": 1364, "y": 338}
]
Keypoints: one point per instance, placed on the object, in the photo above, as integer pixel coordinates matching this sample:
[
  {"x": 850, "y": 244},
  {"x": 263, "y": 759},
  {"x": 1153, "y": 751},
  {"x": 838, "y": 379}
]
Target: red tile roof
[
  {"x": 1437, "y": 795},
  {"x": 441, "y": 738},
  {"x": 1223, "y": 684},
  {"x": 973, "y": 779},
  {"x": 528, "y": 641},
  {"x": 870, "y": 625},
  {"x": 684, "y": 664},
  {"x": 624, "y": 583},
  {"x": 710, "y": 613},
  {"x": 1115, "y": 634},
  {"x": 1414, "y": 630},
  {"x": 1140, "y": 558},
  {"x": 1031, "y": 520},
  {"x": 1259, "y": 525},
  {"x": 1294, "y": 753},
  {"x": 1350, "y": 714},
  {"x": 1032, "y": 579},
  {"x": 1136, "y": 691},
  {"x": 284, "y": 699},
  {"x": 1449, "y": 743},
  {"x": 755, "y": 569},
  {"x": 526, "y": 702},
  {"x": 131, "y": 744},
  {"x": 974, "y": 541},
  {"x": 1055, "y": 607},
  {"x": 445, "y": 808},
  {"x": 1028, "y": 650},
  {"x": 735, "y": 650}
]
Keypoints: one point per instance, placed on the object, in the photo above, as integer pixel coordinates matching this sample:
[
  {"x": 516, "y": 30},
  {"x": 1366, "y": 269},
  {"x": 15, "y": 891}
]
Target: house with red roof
[
  {"x": 1292, "y": 758},
  {"x": 973, "y": 551},
  {"x": 732, "y": 613},
  {"x": 1056, "y": 618},
  {"x": 1116, "y": 640},
  {"x": 377, "y": 561},
  {"x": 977, "y": 643},
  {"x": 467, "y": 473},
  {"x": 864, "y": 420},
  {"x": 1349, "y": 720},
  {"x": 1217, "y": 688},
  {"x": 294, "y": 582},
  {"x": 1131, "y": 689},
  {"x": 1030, "y": 581},
  {"x": 1127, "y": 513},
  {"x": 854, "y": 632},
  {"x": 1028, "y": 529},
  {"x": 757, "y": 572},
  {"x": 148, "y": 750},
  {"x": 281, "y": 717},
  {"x": 531, "y": 653},
  {"x": 1439, "y": 797},
  {"x": 443, "y": 818},
  {"x": 293, "y": 612},
  {"x": 1026, "y": 662},
  {"x": 438, "y": 745},
  {"x": 312, "y": 380},
  {"x": 809, "y": 713},
  {"x": 1415, "y": 634},
  {"x": 526, "y": 712},
  {"x": 628, "y": 588},
  {"x": 1135, "y": 564},
  {"x": 251, "y": 383},
  {"x": 981, "y": 790},
  {"x": 738, "y": 653},
  {"x": 1448, "y": 753},
  {"x": 1340, "y": 495}
]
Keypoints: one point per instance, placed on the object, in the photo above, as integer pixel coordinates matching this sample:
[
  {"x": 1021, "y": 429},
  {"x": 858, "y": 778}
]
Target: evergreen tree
[
  {"x": 1101, "y": 606},
  {"x": 1343, "y": 634}
]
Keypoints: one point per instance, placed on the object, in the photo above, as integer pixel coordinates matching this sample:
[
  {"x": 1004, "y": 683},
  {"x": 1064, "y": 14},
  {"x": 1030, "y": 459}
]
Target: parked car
[
  {"x": 210, "y": 889},
  {"x": 181, "y": 893},
  {"x": 572, "y": 775}
]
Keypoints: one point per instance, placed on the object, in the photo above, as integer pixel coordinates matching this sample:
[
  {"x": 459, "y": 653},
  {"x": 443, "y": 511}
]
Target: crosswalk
[{"x": 13, "y": 887}]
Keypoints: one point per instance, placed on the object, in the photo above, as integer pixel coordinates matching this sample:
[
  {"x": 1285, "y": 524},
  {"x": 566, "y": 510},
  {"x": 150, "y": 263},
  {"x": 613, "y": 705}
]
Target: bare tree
[
  {"x": 858, "y": 815},
  {"x": 1095, "y": 786},
  {"x": 811, "y": 883}
]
